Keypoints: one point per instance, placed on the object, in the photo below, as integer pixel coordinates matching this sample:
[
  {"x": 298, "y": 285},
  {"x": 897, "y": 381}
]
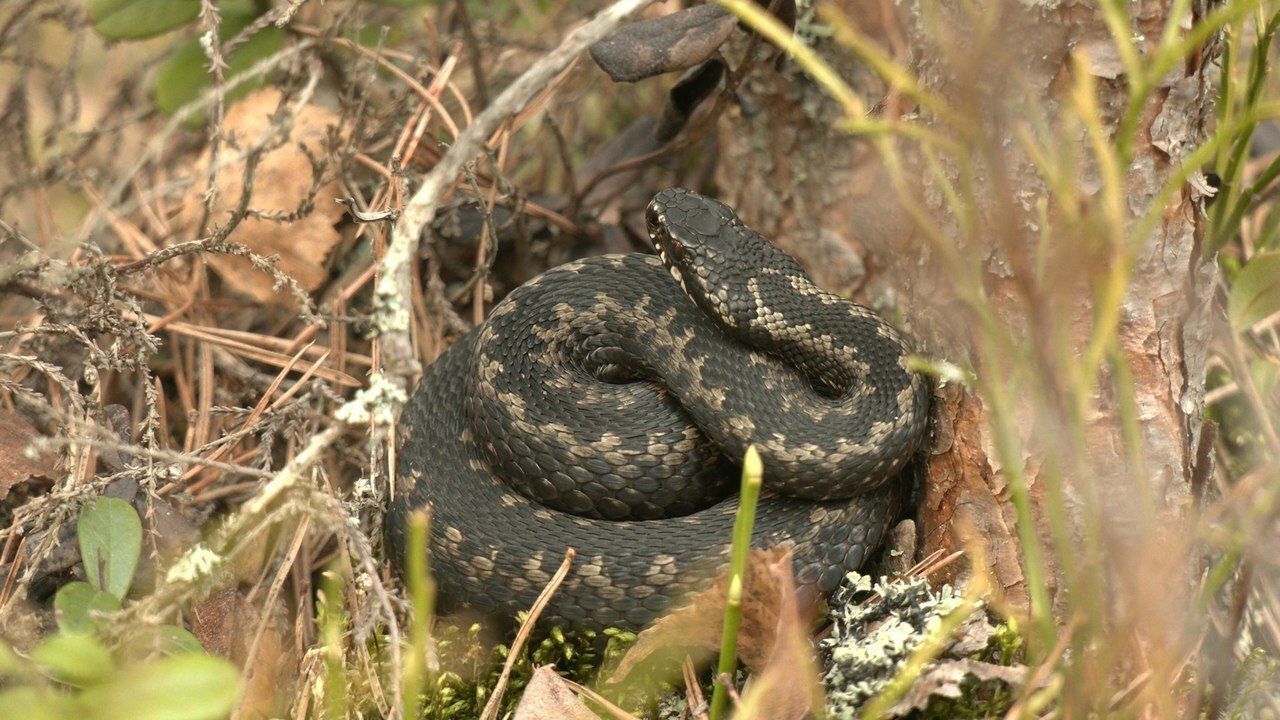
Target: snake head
[{"x": 720, "y": 262}]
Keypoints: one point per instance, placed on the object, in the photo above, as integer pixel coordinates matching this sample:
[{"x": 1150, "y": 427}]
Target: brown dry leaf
[
  {"x": 788, "y": 685},
  {"x": 665, "y": 44},
  {"x": 281, "y": 181},
  {"x": 217, "y": 622},
  {"x": 15, "y": 465},
  {"x": 695, "y": 628},
  {"x": 548, "y": 697},
  {"x": 945, "y": 679},
  {"x": 225, "y": 624}
]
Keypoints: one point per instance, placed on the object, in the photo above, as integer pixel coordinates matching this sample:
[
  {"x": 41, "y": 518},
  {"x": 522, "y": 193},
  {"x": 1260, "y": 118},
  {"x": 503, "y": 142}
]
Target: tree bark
[{"x": 1036, "y": 279}]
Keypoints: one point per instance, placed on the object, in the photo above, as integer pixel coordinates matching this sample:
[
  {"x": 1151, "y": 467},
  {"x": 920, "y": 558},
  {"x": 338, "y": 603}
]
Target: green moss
[
  {"x": 472, "y": 669},
  {"x": 1254, "y": 689}
]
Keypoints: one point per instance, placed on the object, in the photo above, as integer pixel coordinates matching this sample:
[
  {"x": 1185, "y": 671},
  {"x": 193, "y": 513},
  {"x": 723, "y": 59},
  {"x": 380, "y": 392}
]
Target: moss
[
  {"x": 462, "y": 690},
  {"x": 1254, "y": 689}
]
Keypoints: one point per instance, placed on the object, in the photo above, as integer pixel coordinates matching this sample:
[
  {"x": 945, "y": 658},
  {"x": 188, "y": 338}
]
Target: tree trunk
[{"x": 1018, "y": 291}]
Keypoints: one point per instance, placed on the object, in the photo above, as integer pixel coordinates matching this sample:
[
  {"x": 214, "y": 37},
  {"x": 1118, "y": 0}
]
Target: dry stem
[{"x": 393, "y": 293}]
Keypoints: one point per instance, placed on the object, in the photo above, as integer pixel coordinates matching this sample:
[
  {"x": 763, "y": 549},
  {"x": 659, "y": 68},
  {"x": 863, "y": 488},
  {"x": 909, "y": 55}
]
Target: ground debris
[{"x": 876, "y": 628}]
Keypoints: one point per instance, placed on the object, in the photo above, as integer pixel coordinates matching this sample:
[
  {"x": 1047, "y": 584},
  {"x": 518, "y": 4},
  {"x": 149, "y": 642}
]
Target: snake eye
[{"x": 651, "y": 215}]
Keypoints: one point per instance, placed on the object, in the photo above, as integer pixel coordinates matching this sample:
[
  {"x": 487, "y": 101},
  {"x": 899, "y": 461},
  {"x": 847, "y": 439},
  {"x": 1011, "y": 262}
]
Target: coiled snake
[{"x": 606, "y": 395}]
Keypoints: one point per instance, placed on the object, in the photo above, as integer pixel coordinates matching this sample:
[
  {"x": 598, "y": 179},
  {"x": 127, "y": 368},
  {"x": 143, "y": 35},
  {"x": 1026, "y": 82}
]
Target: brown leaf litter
[
  {"x": 773, "y": 638},
  {"x": 281, "y": 184},
  {"x": 17, "y": 463}
]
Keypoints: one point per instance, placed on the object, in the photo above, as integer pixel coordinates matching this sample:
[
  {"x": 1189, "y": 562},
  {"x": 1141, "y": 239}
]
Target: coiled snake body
[{"x": 606, "y": 396}]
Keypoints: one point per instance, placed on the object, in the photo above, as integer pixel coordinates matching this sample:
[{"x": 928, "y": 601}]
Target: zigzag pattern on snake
[{"x": 607, "y": 394}]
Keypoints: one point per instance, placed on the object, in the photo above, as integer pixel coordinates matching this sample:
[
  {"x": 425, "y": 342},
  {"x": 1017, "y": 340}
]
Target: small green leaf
[
  {"x": 110, "y": 542},
  {"x": 145, "y": 640},
  {"x": 137, "y": 19},
  {"x": 1255, "y": 293},
  {"x": 183, "y": 77},
  {"x": 30, "y": 703},
  {"x": 179, "y": 640},
  {"x": 73, "y": 659},
  {"x": 74, "y": 604},
  {"x": 183, "y": 687}
]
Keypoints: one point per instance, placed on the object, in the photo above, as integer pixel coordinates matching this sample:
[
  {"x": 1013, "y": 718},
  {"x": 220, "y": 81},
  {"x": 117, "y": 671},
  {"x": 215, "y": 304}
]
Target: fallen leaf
[
  {"x": 16, "y": 465},
  {"x": 281, "y": 181},
  {"x": 665, "y": 44},
  {"x": 548, "y": 697},
  {"x": 646, "y": 134},
  {"x": 694, "y": 86},
  {"x": 217, "y": 622},
  {"x": 945, "y": 679},
  {"x": 225, "y": 624},
  {"x": 694, "y": 629},
  {"x": 172, "y": 534},
  {"x": 787, "y": 687}
]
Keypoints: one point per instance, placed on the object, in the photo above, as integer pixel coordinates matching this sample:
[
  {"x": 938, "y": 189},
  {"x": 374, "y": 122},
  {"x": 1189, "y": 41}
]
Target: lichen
[
  {"x": 200, "y": 562},
  {"x": 379, "y": 402},
  {"x": 875, "y": 628}
]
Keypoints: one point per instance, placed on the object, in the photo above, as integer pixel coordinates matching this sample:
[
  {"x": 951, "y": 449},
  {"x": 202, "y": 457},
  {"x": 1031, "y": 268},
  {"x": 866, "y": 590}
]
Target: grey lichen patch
[
  {"x": 390, "y": 312},
  {"x": 379, "y": 403},
  {"x": 871, "y": 640},
  {"x": 200, "y": 562}
]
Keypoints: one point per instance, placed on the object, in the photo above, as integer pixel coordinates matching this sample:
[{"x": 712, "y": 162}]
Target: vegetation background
[{"x": 233, "y": 231}]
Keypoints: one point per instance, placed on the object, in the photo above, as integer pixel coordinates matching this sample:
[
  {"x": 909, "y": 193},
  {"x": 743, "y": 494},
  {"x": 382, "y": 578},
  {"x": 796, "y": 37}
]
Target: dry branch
[{"x": 393, "y": 293}]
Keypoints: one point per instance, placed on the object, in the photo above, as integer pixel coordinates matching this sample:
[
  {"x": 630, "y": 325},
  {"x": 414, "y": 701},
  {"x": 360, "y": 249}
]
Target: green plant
[
  {"x": 1052, "y": 391},
  {"x": 248, "y": 31},
  {"x": 146, "y": 672},
  {"x": 752, "y": 482}
]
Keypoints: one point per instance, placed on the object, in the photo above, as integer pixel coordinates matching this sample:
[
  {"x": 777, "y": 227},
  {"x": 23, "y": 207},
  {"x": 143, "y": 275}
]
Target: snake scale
[{"x": 606, "y": 394}]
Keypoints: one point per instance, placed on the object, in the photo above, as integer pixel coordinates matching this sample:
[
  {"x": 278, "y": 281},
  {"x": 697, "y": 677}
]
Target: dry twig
[{"x": 393, "y": 293}]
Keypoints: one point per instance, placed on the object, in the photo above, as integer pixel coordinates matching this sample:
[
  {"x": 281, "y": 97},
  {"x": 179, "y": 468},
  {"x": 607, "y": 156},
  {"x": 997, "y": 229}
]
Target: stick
[
  {"x": 393, "y": 293},
  {"x": 495, "y": 700}
]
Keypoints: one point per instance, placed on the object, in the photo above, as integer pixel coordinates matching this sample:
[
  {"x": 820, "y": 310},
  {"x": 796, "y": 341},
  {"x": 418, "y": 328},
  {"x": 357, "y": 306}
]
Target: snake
[{"x": 605, "y": 406}]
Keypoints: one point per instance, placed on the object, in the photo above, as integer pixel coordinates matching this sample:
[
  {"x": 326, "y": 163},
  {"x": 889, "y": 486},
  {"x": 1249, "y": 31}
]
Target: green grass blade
[{"x": 752, "y": 480}]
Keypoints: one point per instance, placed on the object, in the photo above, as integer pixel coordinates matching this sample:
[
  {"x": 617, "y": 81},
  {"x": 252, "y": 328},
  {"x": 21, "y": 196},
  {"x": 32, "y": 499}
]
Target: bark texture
[{"x": 827, "y": 199}]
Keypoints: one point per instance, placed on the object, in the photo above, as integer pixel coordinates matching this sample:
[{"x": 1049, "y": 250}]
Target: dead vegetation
[{"x": 213, "y": 310}]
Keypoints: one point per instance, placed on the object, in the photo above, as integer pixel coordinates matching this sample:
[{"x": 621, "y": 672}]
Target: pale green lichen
[
  {"x": 871, "y": 639},
  {"x": 199, "y": 563},
  {"x": 391, "y": 310},
  {"x": 389, "y": 314},
  {"x": 378, "y": 403}
]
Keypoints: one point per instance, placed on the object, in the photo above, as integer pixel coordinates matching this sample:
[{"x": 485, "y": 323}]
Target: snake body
[{"x": 605, "y": 395}]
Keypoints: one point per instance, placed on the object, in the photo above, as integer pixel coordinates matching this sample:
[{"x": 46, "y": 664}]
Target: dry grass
[{"x": 153, "y": 366}]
